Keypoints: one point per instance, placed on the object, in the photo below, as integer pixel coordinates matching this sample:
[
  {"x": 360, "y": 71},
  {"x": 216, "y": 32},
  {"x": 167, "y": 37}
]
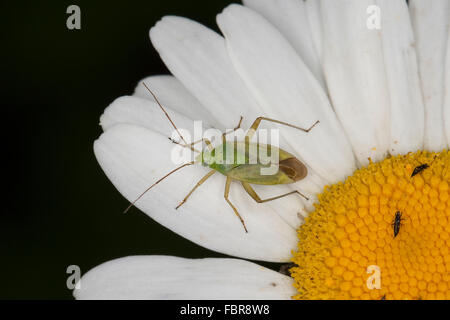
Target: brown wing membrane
[{"x": 293, "y": 168}]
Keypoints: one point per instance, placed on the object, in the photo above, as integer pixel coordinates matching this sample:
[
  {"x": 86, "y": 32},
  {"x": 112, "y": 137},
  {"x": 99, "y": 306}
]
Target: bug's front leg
[
  {"x": 231, "y": 131},
  {"x": 227, "y": 192},
  {"x": 202, "y": 180}
]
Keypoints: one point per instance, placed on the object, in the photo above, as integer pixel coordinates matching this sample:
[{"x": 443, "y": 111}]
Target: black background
[{"x": 59, "y": 208}]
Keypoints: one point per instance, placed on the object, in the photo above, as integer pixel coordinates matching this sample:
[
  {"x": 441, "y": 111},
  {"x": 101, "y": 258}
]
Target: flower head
[{"x": 381, "y": 93}]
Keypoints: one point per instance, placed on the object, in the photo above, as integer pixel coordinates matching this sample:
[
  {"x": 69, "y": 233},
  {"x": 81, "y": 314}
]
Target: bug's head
[{"x": 293, "y": 168}]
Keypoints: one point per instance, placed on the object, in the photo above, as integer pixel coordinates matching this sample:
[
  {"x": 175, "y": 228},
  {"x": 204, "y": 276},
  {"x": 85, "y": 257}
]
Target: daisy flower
[{"x": 377, "y": 222}]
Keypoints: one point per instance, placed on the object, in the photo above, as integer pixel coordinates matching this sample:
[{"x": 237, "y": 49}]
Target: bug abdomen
[
  {"x": 251, "y": 173},
  {"x": 282, "y": 170}
]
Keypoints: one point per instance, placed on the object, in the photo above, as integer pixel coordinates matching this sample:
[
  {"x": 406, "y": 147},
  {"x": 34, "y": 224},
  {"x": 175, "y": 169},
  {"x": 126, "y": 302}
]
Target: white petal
[
  {"x": 447, "y": 94},
  {"x": 407, "y": 110},
  {"x": 165, "y": 277},
  {"x": 315, "y": 24},
  {"x": 146, "y": 113},
  {"x": 287, "y": 91},
  {"x": 133, "y": 158},
  {"x": 290, "y": 17},
  {"x": 172, "y": 94},
  {"x": 431, "y": 23},
  {"x": 354, "y": 69},
  {"x": 198, "y": 58}
]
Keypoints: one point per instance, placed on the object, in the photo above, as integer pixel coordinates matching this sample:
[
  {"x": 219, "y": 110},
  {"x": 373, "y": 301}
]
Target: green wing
[{"x": 244, "y": 163}]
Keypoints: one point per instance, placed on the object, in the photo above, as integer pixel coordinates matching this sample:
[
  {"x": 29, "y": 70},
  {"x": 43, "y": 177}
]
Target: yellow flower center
[{"x": 347, "y": 246}]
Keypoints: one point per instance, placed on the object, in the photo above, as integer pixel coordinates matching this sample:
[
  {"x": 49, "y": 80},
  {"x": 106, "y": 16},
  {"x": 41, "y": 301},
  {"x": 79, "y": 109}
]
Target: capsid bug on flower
[{"x": 289, "y": 168}]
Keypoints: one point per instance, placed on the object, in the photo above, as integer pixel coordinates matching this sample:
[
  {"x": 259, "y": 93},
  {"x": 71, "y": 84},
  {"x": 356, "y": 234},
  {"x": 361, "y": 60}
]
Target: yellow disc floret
[{"x": 348, "y": 247}]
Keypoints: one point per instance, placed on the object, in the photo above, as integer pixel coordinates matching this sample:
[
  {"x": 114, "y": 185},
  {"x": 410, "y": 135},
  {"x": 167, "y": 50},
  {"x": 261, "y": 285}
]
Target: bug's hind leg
[
  {"x": 209, "y": 174},
  {"x": 227, "y": 192},
  {"x": 252, "y": 193}
]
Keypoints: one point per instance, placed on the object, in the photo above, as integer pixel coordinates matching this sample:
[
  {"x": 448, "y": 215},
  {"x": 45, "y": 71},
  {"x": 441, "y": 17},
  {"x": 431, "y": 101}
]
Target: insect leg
[
  {"x": 227, "y": 191},
  {"x": 257, "y": 122},
  {"x": 209, "y": 174},
  {"x": 231, "y": 131},
  {"x": 191, "y": 145},
  {"x": 252, "y": 193}
]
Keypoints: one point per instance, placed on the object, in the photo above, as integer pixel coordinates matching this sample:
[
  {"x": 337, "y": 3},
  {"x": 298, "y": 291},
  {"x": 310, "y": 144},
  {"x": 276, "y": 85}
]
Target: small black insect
[
  {"x": 419, "y": 169},
  {"x": 383, "y": 297},
  {"x": 397, "y": 223}
]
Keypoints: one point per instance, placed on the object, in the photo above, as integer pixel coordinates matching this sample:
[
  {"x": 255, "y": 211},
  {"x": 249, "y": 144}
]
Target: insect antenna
[
  {"x": 148, "y": 189},
  {"x": 163, "y": 110}
]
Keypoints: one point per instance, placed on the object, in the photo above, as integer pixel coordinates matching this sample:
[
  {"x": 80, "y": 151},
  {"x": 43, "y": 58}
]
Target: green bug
[{"x": 290, "y": 169}]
